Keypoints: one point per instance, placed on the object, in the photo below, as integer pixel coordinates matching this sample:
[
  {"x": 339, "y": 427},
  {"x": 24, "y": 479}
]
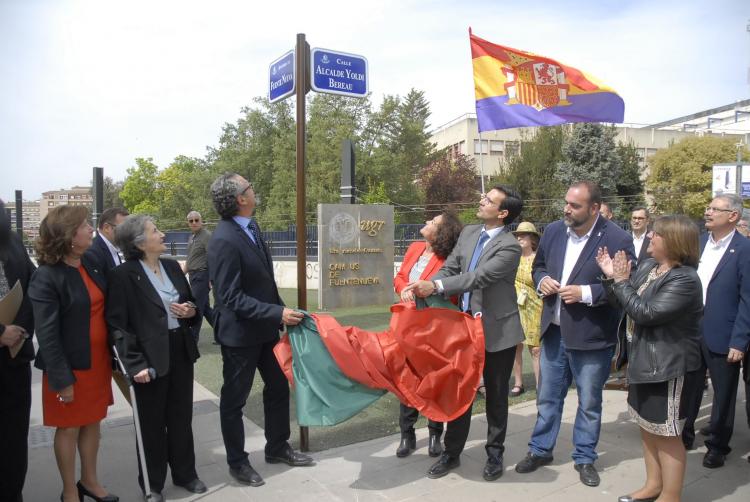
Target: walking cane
[{"x": 138, "y": 437}]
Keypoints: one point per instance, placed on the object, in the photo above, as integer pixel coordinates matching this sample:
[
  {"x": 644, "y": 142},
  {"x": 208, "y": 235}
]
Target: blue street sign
[
  {"x": 337, "y": 72},
  {"x": 282, "y": 77}
]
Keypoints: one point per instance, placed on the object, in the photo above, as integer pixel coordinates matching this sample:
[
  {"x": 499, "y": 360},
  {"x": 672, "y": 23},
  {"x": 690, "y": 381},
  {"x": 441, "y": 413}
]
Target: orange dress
[{"x": 92, "y": 390}]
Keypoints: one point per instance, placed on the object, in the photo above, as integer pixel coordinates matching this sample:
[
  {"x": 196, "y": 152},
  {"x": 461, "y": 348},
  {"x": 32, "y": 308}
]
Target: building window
[
  {"x": 496, "y": 147},
  {"x": 512, "y": 149},
  {"x": 485, "y": 147}
]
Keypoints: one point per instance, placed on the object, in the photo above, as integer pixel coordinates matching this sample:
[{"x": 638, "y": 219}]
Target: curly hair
[
  {"x": 224, "y": 193},
  {"x": 56, "y": 232},
  {"x": 447, "y": 234}
]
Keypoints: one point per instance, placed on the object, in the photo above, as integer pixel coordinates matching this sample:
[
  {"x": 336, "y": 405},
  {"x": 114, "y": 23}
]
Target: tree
[
  {"x": 680, "y": 176},
  {"x": 629, "y": 185},
  {"x": 533, "y": 174},
  {"x": 590, "y": 153},
  {"x": 139, "y": 188},
  {"x": 446, "y": 181}
]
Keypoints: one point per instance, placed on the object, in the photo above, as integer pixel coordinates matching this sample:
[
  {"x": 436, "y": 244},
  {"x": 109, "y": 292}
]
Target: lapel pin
[
  {"x": 598, "y": 234},
  {"x": 731, "y": 250}
]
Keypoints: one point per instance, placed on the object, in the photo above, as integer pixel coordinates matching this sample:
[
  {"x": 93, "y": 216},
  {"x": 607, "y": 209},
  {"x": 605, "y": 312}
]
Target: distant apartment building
[
  {"x": 496, "y": 148},
  {"x": 30, "y": 210},
  {"x": 76, "y": 196}
]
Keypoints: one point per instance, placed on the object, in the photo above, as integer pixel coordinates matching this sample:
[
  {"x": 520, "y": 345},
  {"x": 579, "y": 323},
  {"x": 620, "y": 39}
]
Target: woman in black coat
[
  {"x": 149, "y": 310},
  {"x": 663, "y": 302}
]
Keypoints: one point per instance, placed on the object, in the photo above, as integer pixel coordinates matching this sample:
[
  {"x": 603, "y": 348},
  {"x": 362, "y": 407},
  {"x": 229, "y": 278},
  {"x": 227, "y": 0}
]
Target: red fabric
[
  {"x": 431, "y": 359},
  {"x": 283, "y": 352},
  {"x": 413, "y": 252}
]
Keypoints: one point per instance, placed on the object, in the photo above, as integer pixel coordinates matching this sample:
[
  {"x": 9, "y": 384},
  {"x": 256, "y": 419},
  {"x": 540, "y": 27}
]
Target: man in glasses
[
  {"x": 197, "y": 269},
  {"x": 724, "y": 271},
  {"x": 639, "y": 220},
  {"x": 248, "y": 314},
  {"x": 102, "y": 252}
]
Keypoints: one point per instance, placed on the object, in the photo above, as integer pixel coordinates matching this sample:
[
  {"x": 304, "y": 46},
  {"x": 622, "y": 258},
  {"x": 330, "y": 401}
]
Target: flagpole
[{"x": 481, "y": 161}]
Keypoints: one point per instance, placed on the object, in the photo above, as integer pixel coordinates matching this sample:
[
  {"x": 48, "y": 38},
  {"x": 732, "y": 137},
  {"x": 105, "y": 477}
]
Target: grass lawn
[{"x": 378, "y": 420}]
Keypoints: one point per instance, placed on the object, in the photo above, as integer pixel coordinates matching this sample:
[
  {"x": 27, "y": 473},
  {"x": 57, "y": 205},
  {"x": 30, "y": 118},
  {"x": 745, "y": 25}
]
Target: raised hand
[
  {"x": 605, "y": 262},
  {"x": 621, "y": 267}
]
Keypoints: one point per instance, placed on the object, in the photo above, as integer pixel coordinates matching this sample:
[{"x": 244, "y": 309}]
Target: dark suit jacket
[
  {"x": 137, "y": 318},
  {"x": 583, "y": 327},
  {"x": 18, "y": 267},
  {"x": 247, "y": 308},
  {"x": 492, "y": 284},
  {"x": 62, "y": 318},
  {"x": 100, "y": 257},
  {"x": 644, "y": 255},
  {"x": 726, "y": 316}
]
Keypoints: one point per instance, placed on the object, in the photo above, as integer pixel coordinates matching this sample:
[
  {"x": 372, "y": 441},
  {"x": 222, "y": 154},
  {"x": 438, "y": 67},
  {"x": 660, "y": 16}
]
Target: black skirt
[{"x": 658, "y": 407}]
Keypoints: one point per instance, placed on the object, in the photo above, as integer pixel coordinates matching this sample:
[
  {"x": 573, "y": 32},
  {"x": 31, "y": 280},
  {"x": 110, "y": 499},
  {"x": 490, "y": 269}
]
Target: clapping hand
[
  {"x": 605, "y": 262},
  {"x": 621, "y": 267}
]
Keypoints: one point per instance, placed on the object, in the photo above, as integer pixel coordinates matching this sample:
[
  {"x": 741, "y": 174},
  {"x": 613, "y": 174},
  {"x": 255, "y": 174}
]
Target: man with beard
[
  {"x": 579, "y": 327},
  {"x": 15, "y": 372}
]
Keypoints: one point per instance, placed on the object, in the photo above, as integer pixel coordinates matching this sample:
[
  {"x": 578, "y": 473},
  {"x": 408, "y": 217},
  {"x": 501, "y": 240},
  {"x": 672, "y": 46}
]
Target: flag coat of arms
[{"x": 516, "y": 88}]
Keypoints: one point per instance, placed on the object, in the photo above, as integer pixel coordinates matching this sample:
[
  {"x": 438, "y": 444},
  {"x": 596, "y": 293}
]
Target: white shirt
[
  {"x": 638, "y": 244},
  {"x": 112, "y": 250},
  {"x": 492, "y": 233},
  {"x": 573, "y": 250},
  {"x": 712, "y": 254}
]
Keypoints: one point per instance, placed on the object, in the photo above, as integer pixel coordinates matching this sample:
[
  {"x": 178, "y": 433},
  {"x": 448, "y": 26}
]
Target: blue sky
[{"x": 97, "y": 83}]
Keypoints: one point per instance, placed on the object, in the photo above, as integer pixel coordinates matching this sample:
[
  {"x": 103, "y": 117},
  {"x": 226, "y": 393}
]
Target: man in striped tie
[{"x": 482, "y": 270}]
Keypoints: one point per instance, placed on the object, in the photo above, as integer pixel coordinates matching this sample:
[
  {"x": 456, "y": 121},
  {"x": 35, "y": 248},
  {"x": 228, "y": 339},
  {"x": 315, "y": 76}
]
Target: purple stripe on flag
[{"x": 493, "y": 113}]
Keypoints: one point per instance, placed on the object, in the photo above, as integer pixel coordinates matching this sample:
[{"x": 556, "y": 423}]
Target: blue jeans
[{"x": 559, "y": 367}]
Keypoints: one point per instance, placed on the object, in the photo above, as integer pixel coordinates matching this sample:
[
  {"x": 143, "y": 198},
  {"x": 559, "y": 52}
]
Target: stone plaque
[{"x": 355, "y": 255}]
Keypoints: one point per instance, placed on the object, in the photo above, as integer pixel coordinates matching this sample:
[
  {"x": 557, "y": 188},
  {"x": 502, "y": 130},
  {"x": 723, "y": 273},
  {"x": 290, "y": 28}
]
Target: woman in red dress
[{"x": 67, "y": 295}]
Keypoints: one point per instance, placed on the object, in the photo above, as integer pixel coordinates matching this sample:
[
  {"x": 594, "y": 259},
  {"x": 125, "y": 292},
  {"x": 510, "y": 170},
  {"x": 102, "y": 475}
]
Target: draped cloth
[{"x": 431, "y": 359}]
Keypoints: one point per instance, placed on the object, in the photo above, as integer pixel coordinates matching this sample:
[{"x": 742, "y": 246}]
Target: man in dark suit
[
  {"x": 248, "y": 314},
  {"x": 15, "y": 372},
  {"x": 482, "y": 270},
  {"x": 639, "y": 220},
  {"x": 724, "y": 271},
  {"x": 579, "y": 327},
  {"x": 102, "y": 253}
]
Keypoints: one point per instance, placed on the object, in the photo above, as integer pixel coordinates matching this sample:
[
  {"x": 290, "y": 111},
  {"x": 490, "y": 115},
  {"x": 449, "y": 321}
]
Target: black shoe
[
  {"x": 290, "y": 457},
  {"x": 531, "y": 463},
  {"x": 246, "y": 475},
  {"x": 194, "y": 486},
  {"x": 705, "y": 431},
  {"x": 84, "y": 492},
  {"x": 516, "y": 391},
  {"x": 435, "y": 448},
  {"x": 588, "y": 475},
  {"x": 713, "y": 460},
  {"x": 493, "y": 469},
  {"x": 408, "y": 444},
  {"x": 628, "y": 498},
  {"x": 688, "y": 445},
  {"x": 443, "y": 466}
]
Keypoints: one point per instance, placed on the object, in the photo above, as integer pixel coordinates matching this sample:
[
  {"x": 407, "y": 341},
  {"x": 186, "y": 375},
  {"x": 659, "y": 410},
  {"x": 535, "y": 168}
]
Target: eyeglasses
[
  {"x": 712, "y": 209},
  {"x": 194, "y": 221},
  {"x": 483, "y": 198},
  {"x": 637, "y": 218},
  {"x": 248, "y": 187}
]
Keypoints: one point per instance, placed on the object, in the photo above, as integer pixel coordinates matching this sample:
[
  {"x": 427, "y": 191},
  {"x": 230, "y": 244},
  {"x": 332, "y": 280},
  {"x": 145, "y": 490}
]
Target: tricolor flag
[{"x": 518, "y": 89}]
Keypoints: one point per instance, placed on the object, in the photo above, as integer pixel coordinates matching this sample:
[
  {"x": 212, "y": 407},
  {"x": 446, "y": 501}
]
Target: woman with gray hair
[{"x": 149, "y": 311}]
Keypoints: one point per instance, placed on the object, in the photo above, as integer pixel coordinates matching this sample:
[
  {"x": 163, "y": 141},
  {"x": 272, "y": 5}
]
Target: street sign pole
[{"x": 303, "y": 83}]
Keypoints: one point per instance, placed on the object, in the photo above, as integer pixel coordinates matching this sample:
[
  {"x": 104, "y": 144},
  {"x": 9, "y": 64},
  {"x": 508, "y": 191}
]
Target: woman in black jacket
[
  {"x": 67, "y": 294},
  {"x": 663, "y": 304},
  {"x": 149, "y": 310}
]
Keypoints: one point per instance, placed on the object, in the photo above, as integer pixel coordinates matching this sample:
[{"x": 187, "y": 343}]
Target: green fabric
[
  {"x": 324, "y": 395},
  {"x": 435, "y": 301}
]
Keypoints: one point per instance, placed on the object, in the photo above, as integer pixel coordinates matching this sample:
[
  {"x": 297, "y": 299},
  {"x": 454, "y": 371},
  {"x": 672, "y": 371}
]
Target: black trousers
[
  {"x": 165, "y": 407},
  {"x": 408, "y": 416},
  {"x": 724, "y": 379},
  {"x": 497, "y": 369},
  {"x": 239, "y": 371},
  {"x": 15, "y": 407},
  {"x": 199, "y": 286}
]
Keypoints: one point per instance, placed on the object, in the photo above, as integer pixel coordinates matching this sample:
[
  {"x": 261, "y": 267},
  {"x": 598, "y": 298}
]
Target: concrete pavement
[{"x": 370, "y": 471}]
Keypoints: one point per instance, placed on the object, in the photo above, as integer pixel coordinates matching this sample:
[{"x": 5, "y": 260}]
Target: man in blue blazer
[
  {"x": 102, "y": 253},
  {"x": 579, "y": 327},
  {"x": 248, "y": 314},
  {"x": 724, "y": 271}
]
